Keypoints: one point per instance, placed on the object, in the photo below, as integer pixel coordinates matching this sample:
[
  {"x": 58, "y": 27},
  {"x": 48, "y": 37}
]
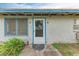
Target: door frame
[{"x": 44, "y": 28}]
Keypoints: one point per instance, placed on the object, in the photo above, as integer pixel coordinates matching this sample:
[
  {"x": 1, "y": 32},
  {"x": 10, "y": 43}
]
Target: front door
[{"x": 39, "y": 32}]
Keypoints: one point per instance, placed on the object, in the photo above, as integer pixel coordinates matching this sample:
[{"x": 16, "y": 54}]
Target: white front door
[{"x": 39, "y": 31}]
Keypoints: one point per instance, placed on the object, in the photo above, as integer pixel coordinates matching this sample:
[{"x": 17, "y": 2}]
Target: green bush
[{"x": 12, "y": 47}]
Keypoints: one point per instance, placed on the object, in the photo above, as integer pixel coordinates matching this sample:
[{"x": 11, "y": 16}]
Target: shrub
[
  {"x": 1, "y": 49},
  {"x": 12, "y": 46}
]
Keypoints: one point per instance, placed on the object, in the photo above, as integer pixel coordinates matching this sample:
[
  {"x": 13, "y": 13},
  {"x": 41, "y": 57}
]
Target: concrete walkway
[{"x": 48, "y": 51}]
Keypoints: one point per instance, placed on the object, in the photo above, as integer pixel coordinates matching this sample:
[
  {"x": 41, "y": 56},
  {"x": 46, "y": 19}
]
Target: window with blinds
[
  {"x": 10, "y": 26},
  {"x": 17, "y": 26},
  {"x": 22, "y": 26}
]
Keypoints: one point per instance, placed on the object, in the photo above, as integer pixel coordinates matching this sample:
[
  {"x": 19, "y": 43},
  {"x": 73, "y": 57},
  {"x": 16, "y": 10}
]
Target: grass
[{"x": 66, "y": 49}]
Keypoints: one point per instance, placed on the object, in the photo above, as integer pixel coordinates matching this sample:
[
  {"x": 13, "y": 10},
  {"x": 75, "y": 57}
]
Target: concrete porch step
[{"x": 38, "y": 46}]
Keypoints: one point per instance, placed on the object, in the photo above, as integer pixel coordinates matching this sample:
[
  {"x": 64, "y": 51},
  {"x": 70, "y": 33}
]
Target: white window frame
[{"x": 76, "y": 24}]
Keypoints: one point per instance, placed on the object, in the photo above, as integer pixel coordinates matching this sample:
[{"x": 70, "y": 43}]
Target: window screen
[
  {"x": 10, "y": 26},
  {"x": 22, "y": 26},
  {"x": 39, "y": 28},
  {"x": 76, "y": 24},
  {"x": 17, "y": 26}
]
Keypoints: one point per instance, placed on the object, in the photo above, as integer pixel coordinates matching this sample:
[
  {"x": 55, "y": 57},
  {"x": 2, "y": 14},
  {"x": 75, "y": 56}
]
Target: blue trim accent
[
  {"x": 4, "y": 25},
  {"x": 39, "y": 10},
  {"x": 16, "y": 25},
  {"x": 44, "y": 31},
  {"x": 32, "y": 31},
  {"x": 27, "y": 27}
]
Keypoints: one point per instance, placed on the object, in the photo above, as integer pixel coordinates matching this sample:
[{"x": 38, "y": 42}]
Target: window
[
  {"x": 77, "y": 21},
  {"x": 39, "y": 28},
  {"x": 16, "y": 26},
  {"x": 76, "y": 28},
  {"x": 76, "y": 24},
  {"x": 10, "y": 26},
  {"x": 22, "y": 26}
]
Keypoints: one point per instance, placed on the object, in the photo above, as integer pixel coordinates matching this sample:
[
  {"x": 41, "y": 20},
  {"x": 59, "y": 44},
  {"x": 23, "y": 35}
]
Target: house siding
[
  {"x": 58, "y": 29},
  {"x": 2, "y": 29}
]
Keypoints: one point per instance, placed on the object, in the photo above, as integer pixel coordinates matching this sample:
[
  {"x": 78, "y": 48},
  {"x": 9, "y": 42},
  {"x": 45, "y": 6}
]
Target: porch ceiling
[{"x": 38, "y": 14}]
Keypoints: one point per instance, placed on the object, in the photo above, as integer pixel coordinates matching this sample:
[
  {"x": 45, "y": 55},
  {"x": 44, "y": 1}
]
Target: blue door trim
[
  {"x": 32, "y": 31},
  {"x": 4, "y": 25},
  {"x": 43, "y": 28}
]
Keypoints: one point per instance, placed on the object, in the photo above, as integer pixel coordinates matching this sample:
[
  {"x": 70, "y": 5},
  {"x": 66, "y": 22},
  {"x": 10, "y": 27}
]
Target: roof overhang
[
  {"x": 41, "y": 10},
  {"x": 38, "y": 12}
]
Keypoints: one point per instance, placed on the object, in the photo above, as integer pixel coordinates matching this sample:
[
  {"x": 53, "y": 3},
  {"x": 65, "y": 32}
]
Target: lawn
[{"x": 67, "y": 49}]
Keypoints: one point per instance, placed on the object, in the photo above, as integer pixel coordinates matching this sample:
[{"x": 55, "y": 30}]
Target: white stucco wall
[
  {"x": 1, "y": 29},
  {"x": 58, "y": 29}
]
